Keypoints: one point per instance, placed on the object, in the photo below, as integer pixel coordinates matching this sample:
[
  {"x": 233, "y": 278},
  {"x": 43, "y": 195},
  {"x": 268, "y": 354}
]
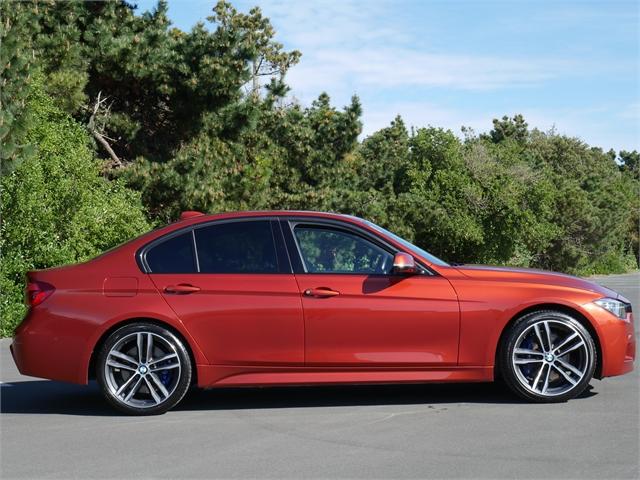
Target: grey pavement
[{"x": 55, "y": 430}]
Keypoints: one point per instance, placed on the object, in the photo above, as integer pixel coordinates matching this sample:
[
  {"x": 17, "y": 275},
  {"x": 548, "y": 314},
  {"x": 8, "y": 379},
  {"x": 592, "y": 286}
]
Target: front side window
[
  {"x": 237, "y": 247},
  {"x": 174, "y": 255},
  {"x": 329, "y": 250}
]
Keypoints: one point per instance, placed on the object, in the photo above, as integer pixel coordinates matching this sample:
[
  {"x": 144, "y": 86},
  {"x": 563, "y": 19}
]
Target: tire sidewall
[
  {"x": 509, "y": 344},
  {"x": 184, "y": 381}
]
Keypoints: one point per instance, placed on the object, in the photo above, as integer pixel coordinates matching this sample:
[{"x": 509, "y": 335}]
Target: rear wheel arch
[
  {"x": 576, "y": 314},
  {"x": 91, "y": 374}
]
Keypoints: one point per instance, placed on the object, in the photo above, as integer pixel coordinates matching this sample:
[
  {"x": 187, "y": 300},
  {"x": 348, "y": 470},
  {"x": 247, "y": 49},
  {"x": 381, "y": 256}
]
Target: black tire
[
  {"x": 528, "y": 378},
  {"x": 149, "y": 398}
]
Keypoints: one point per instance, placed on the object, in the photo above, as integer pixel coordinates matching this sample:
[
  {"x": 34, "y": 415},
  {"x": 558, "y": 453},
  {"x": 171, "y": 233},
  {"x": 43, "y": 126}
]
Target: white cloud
[
  {"x": 397, "y": 67},
  {"x": 631, "y": 112},
  {"x": 366, "y": 47},
  {"x": 351, "y": 43}
]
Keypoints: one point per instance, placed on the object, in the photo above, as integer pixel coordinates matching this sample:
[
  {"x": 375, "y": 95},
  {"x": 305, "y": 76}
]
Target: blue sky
[{"x": 569, "y": 65}]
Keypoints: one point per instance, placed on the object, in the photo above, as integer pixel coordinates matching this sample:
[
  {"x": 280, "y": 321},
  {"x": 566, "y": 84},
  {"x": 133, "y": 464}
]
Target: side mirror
[{"x": 404, "y": 264}]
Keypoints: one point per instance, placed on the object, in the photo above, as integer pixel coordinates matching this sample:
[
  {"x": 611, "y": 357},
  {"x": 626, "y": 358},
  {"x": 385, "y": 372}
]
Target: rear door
[
  {"x": 358, "y": 313},
  {"x": 231, "y": 284}
]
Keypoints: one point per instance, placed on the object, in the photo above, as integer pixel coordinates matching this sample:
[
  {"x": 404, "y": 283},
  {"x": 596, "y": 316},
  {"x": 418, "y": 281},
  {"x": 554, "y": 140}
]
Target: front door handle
[
  {"x": 181, "y": 289},
  {"x": 320, "y": 292}
]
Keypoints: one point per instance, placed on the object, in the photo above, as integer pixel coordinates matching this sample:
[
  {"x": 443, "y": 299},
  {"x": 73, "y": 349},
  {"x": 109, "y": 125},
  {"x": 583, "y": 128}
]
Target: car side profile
[{"x": 300, "y": 298}]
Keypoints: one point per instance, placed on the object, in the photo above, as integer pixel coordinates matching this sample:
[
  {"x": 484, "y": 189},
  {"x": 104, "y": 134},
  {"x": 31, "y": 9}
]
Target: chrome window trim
[
  {"x": 141, "y": 254},
  {"x": 294, "y": 221}
]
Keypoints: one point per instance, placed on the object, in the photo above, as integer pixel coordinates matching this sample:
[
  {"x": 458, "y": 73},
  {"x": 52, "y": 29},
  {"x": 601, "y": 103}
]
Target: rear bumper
[
  {"x": 16, "y": 360},
  {"x": 22, "y": 358},
  {"x": 46, "y": 353}
]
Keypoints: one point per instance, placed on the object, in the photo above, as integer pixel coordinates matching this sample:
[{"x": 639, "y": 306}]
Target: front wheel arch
[
  {"x": 584, "y": 321},
  {"x": 91, "y": 368}
]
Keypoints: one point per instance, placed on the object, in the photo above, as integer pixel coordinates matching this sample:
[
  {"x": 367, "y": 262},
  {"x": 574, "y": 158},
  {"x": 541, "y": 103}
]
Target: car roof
[{"x": 194, "y": 217}]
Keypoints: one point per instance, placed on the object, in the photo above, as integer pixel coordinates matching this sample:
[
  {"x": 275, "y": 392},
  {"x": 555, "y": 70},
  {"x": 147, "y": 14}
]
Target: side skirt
[{"x": 212, "y": 376}]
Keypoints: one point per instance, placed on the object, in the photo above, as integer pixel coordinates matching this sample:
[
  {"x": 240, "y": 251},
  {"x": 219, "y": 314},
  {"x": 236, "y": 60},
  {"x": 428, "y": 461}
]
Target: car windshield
[{"x": 410, "y": 246}]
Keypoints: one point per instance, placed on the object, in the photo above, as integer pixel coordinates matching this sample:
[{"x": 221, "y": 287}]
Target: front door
[
  {"x": 234, "y": 292},
  {"x": 358, "y": 313}
]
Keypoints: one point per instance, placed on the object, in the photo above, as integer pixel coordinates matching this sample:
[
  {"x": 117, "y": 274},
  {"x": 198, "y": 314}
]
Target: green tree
[
  {"x": 630, "y": 162},
  {"x": 16, "y": 65},
  {"x": 56, "y": 207},
  {"x": 592, "y": 207},
  {"x": 515, "y": 129},
  {"x": 209, "y": 174}
]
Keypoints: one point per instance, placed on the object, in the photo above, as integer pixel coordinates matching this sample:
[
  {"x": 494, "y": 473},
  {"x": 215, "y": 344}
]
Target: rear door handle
[
  {"x": 181, "y": 289},
  {"x": 320, "y": 292}
]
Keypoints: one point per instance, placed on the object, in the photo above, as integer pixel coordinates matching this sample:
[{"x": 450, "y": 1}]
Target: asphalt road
[{"x": 55, "y": 430}]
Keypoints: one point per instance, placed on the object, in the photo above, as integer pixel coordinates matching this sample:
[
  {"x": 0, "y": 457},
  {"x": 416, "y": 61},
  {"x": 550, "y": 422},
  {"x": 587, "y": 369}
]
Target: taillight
[{"x": 37, "y": 292}]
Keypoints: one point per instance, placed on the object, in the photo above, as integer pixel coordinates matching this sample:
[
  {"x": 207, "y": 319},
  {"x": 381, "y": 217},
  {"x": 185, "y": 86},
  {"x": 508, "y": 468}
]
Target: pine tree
[{"x": 16, "y": 66}]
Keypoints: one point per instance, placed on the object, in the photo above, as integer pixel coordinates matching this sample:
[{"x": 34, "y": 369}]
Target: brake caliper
[
  {"x": 528, "y": 368},
  {"x": 165, "y": 377}
]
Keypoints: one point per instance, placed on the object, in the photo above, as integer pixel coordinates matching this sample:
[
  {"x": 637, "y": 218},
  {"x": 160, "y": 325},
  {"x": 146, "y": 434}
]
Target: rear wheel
[
  {"x": 547, "y": 356},
  {"x": 143, "y": 369}
]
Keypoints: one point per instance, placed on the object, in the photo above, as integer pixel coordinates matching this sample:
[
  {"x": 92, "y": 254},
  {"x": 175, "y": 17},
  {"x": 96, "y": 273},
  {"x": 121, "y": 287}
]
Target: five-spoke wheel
[
  {"x": 143, "y": 369},
  {"x": 547, "y": 356}
]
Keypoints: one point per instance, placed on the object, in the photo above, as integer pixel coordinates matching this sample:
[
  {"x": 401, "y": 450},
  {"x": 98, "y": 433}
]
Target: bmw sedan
[{"x": 301, "y": 298}]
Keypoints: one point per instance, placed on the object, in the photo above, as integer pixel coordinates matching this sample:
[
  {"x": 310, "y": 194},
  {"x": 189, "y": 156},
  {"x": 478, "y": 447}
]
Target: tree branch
[
  {"x": 116, "y": 161},
  {"x": 100, "y": 138}
]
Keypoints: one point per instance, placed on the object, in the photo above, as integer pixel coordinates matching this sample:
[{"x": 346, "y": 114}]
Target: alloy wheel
[
  {"x": 142, "y": 370},
  {"x": 550, "y": 357}
]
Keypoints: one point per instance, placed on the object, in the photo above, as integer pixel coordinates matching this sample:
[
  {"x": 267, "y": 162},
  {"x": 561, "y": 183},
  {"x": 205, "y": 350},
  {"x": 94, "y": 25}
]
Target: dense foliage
[
  {"x": 56, "y": 208},
  {"x": 108, "y": 115}
]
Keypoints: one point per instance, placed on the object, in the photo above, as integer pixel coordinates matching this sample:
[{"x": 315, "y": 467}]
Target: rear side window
[
  {"x": 174, "y": 255},
  {"x": 237, "y": 247}
]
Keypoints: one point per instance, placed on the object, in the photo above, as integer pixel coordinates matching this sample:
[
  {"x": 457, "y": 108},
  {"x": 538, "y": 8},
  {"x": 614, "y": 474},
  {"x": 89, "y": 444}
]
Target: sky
[{"x": 568, "y": 65}]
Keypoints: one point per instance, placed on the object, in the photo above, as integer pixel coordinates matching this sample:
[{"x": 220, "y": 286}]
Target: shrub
[{"x": 56, "y": 208}]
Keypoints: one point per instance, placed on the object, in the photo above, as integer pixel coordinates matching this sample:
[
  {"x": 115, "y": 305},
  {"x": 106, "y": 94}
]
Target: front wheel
[
  {"x": 143, "y": 369},
  {"x": 547, "y": 356}
]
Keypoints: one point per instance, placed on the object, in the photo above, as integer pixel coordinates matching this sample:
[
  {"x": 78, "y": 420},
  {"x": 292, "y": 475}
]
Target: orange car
[{"x": 288, "y": 298}]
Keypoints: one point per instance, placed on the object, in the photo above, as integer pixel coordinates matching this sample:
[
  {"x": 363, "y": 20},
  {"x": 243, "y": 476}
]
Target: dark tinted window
[
  {"x": 326, "y": 250},
  {"x": 172, "y": 256},
  {"x": 237, "y": 247}
]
